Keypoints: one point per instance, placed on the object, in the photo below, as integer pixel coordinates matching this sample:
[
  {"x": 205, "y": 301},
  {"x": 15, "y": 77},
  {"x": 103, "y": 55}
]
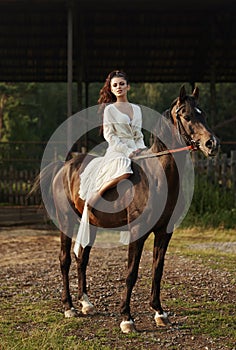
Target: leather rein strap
[{"x": 167, "y": 151}]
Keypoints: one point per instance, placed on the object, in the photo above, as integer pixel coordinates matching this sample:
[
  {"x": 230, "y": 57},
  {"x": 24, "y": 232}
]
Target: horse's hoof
[
  {"x": 88, "y": 310},
  {"x": 71, "y": 313},
  {"x": 162, "y": 319},
  {"x": 127, "y": 327},
  {"x": 87, "y": 307}
]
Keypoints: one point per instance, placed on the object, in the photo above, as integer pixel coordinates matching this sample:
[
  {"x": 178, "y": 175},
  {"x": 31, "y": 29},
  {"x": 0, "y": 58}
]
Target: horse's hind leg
[
  {"x": 65, "y": 262},
  {"x": 82, "y": 263},
  {"x": 161, "y": 242},
  {"x": 134, "y": 256}
]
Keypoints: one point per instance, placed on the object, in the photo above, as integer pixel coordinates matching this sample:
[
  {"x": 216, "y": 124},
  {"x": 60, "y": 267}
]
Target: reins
[{"x": 167, "y": 151}]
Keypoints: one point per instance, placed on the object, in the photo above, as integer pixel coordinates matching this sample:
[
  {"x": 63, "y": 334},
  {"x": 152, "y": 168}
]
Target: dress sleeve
[
  {"x": 110, "y": 134},
  {"x": 137, "y": 130}
]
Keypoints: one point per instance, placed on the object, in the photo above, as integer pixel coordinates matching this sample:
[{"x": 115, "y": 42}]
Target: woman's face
[{"x": 119, "y": 87}]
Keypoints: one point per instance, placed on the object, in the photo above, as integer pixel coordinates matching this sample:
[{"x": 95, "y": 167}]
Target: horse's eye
[{"x": 187, "y": 118}]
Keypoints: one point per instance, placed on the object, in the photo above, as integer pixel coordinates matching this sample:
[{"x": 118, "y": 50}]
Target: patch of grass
[
  {"x": 199, "y": 242},
  {"x": 187, "y": 237},
  {"x": 213, "y": 319},
  {"x": 37, "y": 326},
  {"x": 53, "y": 339}
]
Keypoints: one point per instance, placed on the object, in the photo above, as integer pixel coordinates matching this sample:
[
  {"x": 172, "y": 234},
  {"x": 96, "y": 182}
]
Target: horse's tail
[
  {"x": 43, "y": 183},
  {"x": 46, "y": 176}
]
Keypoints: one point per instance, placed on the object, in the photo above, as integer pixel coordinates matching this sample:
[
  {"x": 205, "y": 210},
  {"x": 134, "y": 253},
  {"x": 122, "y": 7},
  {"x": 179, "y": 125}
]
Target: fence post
[
  {"x": 224, "y": 170},
  {"x": 233, "y": 171}
]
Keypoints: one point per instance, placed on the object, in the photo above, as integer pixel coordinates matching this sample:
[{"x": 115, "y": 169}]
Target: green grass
[
  {"x": 210, "y": 318},
  {"x": 185, "y": 237},
  {"x": 197, "y": 242},
  {"x": 37, "y": 326}
]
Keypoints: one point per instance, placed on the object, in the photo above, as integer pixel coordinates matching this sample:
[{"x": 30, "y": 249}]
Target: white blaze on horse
[{"x": 156, "y": 205}]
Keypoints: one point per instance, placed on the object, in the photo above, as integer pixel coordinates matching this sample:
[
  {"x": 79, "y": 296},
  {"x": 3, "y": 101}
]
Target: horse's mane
[
  {"x": 165, "y": 134},
  {"x": 162, "y": 130}
]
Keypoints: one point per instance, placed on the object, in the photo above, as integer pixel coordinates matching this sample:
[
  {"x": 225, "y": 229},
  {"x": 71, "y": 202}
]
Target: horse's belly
[{"x": 115, "y": 220}]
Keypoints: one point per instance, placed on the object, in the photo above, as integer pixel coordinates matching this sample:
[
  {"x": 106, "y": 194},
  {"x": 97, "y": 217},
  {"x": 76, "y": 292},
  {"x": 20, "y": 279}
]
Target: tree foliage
[{"x": 31, "y": 111}]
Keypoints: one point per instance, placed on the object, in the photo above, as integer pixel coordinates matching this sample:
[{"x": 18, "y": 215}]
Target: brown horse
[{"x": 156, "y": 205}]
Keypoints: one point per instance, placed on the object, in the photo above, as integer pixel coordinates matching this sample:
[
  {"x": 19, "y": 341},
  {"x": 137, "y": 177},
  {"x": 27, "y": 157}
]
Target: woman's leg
[{"x": 97, "y": 195}]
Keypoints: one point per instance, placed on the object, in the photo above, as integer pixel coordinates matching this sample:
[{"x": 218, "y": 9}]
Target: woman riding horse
[{"x": 122, "y": 124}]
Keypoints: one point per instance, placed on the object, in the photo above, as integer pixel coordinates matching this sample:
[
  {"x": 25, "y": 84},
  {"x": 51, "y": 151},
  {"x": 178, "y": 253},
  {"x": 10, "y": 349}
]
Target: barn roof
[{"x": 153, "y": 40}]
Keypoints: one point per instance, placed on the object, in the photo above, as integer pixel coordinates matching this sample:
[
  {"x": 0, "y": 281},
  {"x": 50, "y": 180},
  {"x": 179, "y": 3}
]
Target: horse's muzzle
[{"x": 213, "y": 145}]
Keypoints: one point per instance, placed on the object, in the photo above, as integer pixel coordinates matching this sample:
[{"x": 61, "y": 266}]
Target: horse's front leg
[
  {"x": 161, "y": 242},
  {"x": 65, "y": 262},
  {"x": 134, "y": 255},
  {"x": 82, "y": 263}
]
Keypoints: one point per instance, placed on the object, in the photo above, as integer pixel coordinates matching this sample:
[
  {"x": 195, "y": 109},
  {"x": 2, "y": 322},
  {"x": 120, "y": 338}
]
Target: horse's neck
[
  {"x": 158, "y": 146},
  {"x": 166, "y": 135},
  {"x": 167, "y": 141}
]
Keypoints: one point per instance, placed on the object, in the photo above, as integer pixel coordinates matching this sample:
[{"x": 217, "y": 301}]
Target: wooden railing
[
  {"x": 220, "y": 170},
  {"x": 15, "y": 186}
]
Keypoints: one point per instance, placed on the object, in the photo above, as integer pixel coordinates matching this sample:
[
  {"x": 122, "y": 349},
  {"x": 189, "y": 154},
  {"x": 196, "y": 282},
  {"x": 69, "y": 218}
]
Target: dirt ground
[{"x": 29, "y": 261}]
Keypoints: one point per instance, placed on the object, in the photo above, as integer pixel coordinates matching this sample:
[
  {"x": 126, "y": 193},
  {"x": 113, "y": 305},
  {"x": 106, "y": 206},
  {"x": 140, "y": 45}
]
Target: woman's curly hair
[{"x": 106, "y": 96}]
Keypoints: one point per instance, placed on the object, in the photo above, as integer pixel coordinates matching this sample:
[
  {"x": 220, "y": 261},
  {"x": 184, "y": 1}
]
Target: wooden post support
[
  {"x": 213, "y": 95},
  {"x": 69, "y": 59},
  {"x": 233, "y": 171},
  {"x": 69, "y": 71}
]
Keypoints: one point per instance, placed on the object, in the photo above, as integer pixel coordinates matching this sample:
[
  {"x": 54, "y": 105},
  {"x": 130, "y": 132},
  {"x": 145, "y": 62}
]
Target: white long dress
[{"x": 123, "y": 136}]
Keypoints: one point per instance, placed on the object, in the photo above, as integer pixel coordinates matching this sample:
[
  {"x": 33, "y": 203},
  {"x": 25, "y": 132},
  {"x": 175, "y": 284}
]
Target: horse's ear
[
  {"x": 182, "y": 94},
  {"x": 196, "y": 93}
]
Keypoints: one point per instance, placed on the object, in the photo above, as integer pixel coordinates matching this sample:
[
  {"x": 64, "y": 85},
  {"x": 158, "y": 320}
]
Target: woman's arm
[
  {"x": 110, "y": 134},
  {"x": 137, "y": 130}
]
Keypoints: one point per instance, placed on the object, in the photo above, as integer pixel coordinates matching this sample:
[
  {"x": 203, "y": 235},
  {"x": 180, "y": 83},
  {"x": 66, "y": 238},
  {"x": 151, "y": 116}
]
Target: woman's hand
[{"x": 135, "y": 153}]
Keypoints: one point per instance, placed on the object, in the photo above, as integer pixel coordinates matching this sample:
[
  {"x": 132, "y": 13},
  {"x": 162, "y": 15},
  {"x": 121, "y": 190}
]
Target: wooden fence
[
  {"x": 16, "y": 184},
  {"x": 19, "y": 166},
  {"x": 220, "y": 170}
]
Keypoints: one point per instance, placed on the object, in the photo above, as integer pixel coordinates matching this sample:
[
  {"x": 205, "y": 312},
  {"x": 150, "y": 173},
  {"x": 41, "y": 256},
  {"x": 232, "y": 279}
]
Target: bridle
[
  {"x": 182, "y": 131},
  {"x": 192, "y": 145}
]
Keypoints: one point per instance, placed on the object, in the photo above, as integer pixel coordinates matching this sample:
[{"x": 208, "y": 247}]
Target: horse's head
[{"x": 190, "y": 120}]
